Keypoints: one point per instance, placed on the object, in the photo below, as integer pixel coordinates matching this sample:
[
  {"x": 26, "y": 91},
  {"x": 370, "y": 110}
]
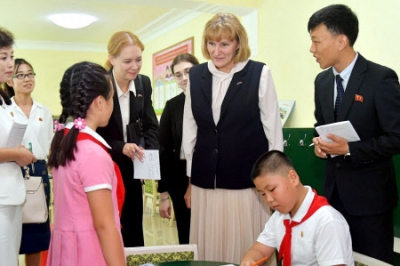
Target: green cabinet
[{"x": 311, "y": 169}]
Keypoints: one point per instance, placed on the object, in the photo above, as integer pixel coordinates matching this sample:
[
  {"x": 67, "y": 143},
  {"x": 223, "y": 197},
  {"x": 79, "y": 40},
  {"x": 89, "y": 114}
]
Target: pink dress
[{"x": 74, "y": 240}]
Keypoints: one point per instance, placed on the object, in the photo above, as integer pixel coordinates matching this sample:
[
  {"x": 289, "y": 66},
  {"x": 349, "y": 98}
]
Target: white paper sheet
[
  {"x": 342, "y": 129},
  {"x": 16, "y": 135},
  {"x": 149, "y": 168}
]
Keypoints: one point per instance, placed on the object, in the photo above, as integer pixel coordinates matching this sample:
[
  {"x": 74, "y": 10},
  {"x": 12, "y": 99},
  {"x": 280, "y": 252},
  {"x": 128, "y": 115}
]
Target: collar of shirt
[
  {"x": 305, "y": 205},
  {"x": 91, "y": 132},
  {"x": 132, "y": 87},
  {"x": 3, "y": 104},
  {"x": 34, "y": 103},
  {"x": 345, "y": 74},
  {"x": 238, "y": 67}
]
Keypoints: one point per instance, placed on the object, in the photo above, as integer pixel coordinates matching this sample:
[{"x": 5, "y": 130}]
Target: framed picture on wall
[{"x": 164, "y": 84}]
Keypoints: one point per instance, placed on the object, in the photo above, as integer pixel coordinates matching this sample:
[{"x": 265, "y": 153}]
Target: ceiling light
[{"x": 72, "y": 20}]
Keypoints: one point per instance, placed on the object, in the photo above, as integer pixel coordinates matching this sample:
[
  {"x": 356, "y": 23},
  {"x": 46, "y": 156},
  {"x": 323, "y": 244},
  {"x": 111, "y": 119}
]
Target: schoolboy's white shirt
[
  {"x": 39, "y": 131},
  {"x": 12, "y": 188},
  {"x": 323, "y": 239}
]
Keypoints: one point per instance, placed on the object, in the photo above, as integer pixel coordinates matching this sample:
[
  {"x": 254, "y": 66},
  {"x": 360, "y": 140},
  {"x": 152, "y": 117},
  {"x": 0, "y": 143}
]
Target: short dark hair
[
  {"x": 6, "y": 38},
  {"x": 338, "y": 19},
  {"x": 185, "y": 57},
  {"x": 271, "y": 162}
]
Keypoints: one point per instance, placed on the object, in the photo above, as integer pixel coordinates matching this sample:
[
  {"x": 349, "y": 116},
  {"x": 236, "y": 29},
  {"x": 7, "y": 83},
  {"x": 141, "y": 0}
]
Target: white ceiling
[{"x": 27, "y": 19}]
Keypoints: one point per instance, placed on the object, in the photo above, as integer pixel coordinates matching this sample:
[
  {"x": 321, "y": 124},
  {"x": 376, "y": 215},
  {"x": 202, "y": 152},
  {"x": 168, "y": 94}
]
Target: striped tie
[{"x": 339, "y": 97}]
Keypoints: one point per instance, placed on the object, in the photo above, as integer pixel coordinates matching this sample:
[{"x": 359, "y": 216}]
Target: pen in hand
[{"x": 260, "y": 261}]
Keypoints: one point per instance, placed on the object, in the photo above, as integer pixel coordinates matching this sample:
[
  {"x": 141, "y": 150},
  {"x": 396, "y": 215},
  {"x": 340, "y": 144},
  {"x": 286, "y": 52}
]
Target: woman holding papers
[
  {"x": 174, "y": 181},
  {"x": 133, "y": 126},
  {"x": 231, "y": 117},
  {"x": 38, "y": 136},
  {"x": 12, "y": 189}
]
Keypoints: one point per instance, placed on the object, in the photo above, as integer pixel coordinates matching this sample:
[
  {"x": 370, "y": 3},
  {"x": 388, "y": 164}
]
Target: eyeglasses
[
  {"x": 179, "y": 76},
  {"x": 23, "y": 76}
]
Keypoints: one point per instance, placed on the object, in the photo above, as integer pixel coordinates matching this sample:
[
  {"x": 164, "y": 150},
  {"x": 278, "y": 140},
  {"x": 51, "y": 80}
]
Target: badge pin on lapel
[{"x": 358, "y": 98}]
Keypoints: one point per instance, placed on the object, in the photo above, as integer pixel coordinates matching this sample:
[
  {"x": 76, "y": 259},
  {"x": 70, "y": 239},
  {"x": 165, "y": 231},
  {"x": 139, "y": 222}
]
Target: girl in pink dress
[{"x": 86, "y": 228}]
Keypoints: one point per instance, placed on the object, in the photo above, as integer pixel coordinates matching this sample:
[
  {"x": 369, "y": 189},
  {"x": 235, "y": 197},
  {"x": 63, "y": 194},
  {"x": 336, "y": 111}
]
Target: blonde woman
[
  {"x": 132, "y": 108},
  {"x": 231, "y": 117}
]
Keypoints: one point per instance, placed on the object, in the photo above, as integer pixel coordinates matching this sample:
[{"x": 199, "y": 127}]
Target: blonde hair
[
  {"x": 226, "y": 25},
  {"x": 118, "y": 41}
]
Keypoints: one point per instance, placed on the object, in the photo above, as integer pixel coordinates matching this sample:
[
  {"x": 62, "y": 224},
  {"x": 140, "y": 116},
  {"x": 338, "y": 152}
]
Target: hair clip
[
  {"x": 79, "y": 123},
  {"x": 58, "y": 126}
]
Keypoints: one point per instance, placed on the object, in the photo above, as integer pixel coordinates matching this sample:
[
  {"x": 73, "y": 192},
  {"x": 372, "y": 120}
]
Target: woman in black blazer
[
  {"x": 132, "y": 108},
  {"x": 174, "y": 181}
]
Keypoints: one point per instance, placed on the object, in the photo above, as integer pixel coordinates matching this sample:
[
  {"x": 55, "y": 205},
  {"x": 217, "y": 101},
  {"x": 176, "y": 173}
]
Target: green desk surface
[{"x": 192, "y": 263}]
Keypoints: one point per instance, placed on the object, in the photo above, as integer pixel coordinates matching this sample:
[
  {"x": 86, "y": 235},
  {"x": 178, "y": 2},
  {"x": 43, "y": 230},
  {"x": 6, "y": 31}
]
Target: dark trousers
[
  {"x": 132, "y": 214},
  {"x": 371, "y": 235},
  {"x": 182, "y": 215}
]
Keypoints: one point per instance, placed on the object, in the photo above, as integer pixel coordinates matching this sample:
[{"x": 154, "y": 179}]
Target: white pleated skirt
[{"x": 225, "y": 223}]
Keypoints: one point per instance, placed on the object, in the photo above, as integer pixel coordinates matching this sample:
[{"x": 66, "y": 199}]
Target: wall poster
[{"x": 164, "y": 85}]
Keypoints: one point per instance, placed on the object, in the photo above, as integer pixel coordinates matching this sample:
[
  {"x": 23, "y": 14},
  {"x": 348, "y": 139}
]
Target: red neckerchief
[
  {"x": 285, "y": 250},
  {"x": 120, "y": 182}
]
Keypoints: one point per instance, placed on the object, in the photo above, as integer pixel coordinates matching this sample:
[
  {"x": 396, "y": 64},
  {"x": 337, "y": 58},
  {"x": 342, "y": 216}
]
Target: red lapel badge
[
  {"x": 139, "y": 95},
  {"x": 358, "y": 98},
  {"x": 239, "y": 83}
]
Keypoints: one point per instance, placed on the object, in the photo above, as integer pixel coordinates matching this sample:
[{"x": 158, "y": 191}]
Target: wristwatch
[{"x": 347, "y": 154}]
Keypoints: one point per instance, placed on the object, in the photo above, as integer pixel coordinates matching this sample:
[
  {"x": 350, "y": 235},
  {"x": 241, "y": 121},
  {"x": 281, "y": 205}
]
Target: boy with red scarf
[{"x": 304, "y": 228}]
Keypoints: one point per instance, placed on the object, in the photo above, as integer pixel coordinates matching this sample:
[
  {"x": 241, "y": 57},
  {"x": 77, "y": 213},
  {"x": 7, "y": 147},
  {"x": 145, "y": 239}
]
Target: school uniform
[
  {"x": 322, "y": 239},
  {"x": 12, "y": 195},
  {"x": 39, "y": 133}
]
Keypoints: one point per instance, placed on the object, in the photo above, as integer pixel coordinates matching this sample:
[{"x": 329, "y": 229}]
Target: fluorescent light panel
[{"x": 72, "y": 20}]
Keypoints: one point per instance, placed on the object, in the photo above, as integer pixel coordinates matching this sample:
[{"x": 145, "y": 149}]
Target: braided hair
[{"x": 81, "y": 84}]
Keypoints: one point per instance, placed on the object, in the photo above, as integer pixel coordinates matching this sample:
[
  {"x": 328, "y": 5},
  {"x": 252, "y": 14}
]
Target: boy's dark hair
[
  {"x": 271, "y": 162},
  {"x": 80, "y": 85},
  {"x": 338, "y": 19},
  {"x": 6, "y": 40}
]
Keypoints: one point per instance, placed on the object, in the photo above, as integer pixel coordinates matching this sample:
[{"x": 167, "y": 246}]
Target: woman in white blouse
[
  {"x": 12, "y": 189},
  {"x": 38, "y": 136},
  {"x": 231, "y": 117}
]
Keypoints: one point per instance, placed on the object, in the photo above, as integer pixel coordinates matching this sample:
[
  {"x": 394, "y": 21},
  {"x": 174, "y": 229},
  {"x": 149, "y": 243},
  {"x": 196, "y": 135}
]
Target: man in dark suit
[{"x": 360, "y": 178}]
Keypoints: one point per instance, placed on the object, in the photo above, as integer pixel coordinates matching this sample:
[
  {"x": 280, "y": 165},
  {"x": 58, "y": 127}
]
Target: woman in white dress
[
  {"x": 38, "y": 136},
  {"x": 231, "y": 117},
  {"x": 12, "y": 189}
]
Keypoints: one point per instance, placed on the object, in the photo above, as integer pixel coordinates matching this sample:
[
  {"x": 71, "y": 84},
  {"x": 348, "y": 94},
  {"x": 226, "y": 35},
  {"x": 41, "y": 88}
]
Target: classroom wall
[
  {"x": 49, "y": 66},
  {"x": 283, "y": 44}
]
